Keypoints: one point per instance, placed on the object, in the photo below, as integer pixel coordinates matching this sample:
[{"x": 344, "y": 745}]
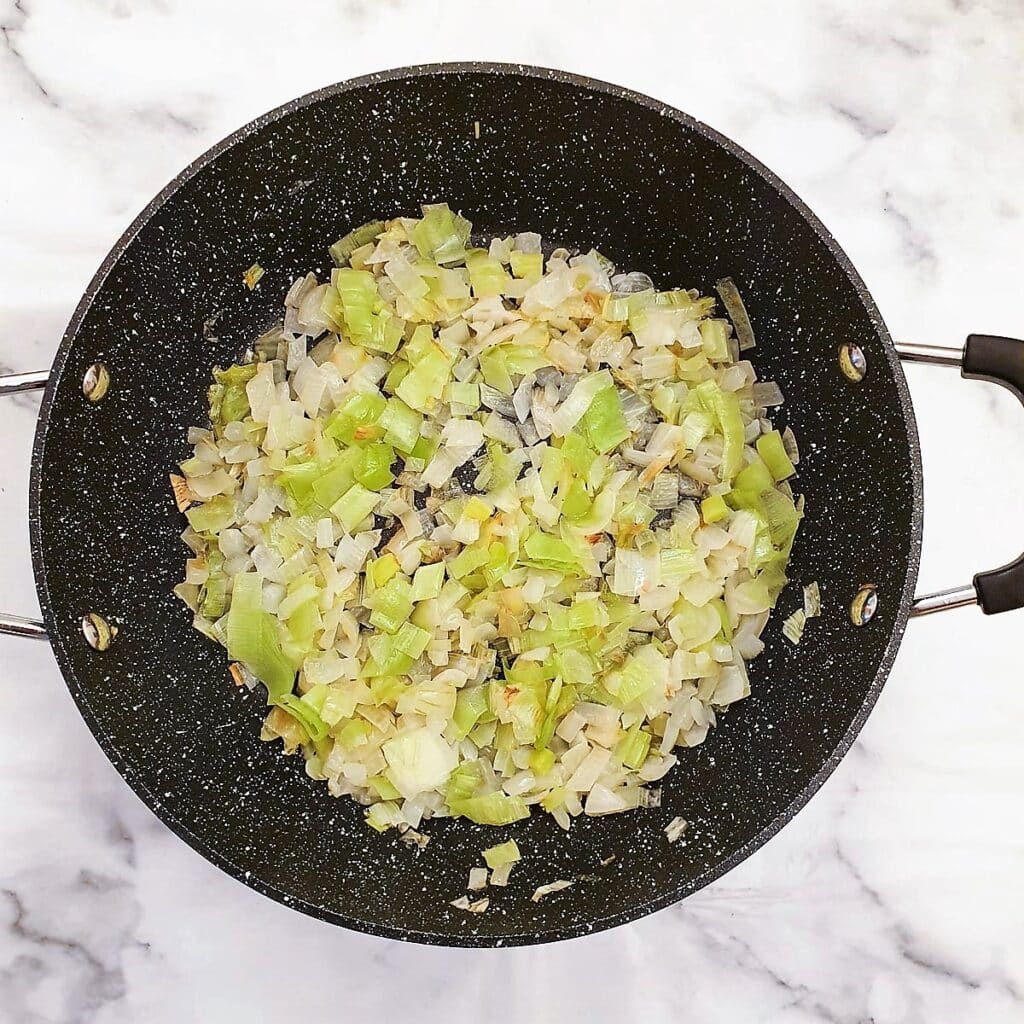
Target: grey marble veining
[{"x": 894, "y": 896}]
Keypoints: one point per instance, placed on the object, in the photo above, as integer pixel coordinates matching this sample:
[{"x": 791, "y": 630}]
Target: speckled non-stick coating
[{"x": 586, "y": 164}]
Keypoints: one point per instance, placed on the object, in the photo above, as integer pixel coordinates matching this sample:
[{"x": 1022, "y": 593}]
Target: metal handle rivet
[
  {"x": 98, "y": 633},
  {"x": 864, "y": 605},
  {"x": 853, "y": 362},
  {"x": 95, "y": 382}
]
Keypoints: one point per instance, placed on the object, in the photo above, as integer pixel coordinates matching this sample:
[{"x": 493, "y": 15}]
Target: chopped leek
[
  {"x": 503, "y": 853},
  {"x": 771, "y": 448},
  {"x": 354, "y": 506},
  {"x": 497, "y": 531}
]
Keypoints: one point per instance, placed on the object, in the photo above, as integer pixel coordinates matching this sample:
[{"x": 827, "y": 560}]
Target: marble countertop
[{"x": 896, "y": 895}]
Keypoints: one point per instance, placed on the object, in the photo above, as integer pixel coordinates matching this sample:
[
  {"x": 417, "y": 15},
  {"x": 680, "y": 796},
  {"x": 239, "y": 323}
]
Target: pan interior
[{"x": 587, "y": 166}]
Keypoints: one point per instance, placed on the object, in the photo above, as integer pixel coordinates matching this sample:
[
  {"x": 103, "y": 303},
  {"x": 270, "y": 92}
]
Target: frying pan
[{"x": 515, "y": 148}]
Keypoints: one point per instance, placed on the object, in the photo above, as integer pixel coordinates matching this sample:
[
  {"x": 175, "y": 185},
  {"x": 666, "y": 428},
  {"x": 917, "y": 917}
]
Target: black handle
[{"x": 1001, "y": 361}]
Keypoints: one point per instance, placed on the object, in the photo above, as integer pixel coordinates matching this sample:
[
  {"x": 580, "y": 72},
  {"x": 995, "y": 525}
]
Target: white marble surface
[{"x": 897, "y": 895}]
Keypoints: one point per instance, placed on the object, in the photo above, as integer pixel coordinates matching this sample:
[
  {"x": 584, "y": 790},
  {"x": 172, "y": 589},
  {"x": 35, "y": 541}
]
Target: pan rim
[{"x": 58, "y": 631}]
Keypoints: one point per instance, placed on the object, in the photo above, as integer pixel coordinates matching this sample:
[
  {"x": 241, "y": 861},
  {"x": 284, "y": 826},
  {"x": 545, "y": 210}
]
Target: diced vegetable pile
[{"x": 493, "y": 530}]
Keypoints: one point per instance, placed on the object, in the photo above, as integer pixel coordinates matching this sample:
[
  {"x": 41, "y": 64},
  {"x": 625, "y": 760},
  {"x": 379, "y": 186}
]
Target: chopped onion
[
  {"x": 443, "y": 514},
  {"x": 545, "y": 890},
  {"x": 675, "y": 829},
  {"x": 793, "y": 627},
  {"x": 767, "y": 394},
  {"x": 730, "y": 296}
]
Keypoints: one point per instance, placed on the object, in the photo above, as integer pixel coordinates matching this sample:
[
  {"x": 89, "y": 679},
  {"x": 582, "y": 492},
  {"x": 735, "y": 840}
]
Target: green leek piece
[
  {"x": 615, "y": 308},
  {"x": 487, "y": 277},
  {"x": 467, "y": 395},
  {"x": 639, "y": 672},
  {"x": 391, "y": 605},
  {"x": 339, "y": 705},
  {"x": 232, "y": 399},
  {"x": 386, "y": 657},
  {"x": 696, "y": 426},
  {"x": 301, "y": 629},
  {"x": 441, "y": 235},
  {"x": 382, "y": 816},
  {"x": 343, "y": 248},
  {"x": 541, "y": 762},
  {"x": 421, "y": 388},
  {"x": 373, "y": 470},
  {"x": 633, "y": 747},
  {"x": 462, "y": 783},
  {"x": 406, "y": 279},
  {"x": 470, "y": 705},
  {"x": 578, "y": 455},
  {"x": 724, "y": 406},
  {"x": 550, "y": 720},
  {"x": 387, "y": 689},
  {"x": 424, "y": 448},
  {"x": 713, "y": 508},
  {"x": 714, "y": 336},
  {"x": 305, "y": 714},
  {"x": 234, "y": 405},
  {"x": 354, "y": 420},
  {"x": 504, "y": 471},
  {"x": 412, "y": 641},
  {"x": 755, "y": 477},
  {"x": 214, "y": 596},
  {"x": 500, "y": 559},
  {"x": 495, "y": 370},
  {"x": 383, "y": 787},
  {"x": 427, "y": 582},
  {"x": 546, "y": 552},
  {"x": 493, "y": 809},
  {"x": 554, "y": 799},
  {"x": 253, "y": 640},
  {"x": 212, "y": 516},
  {"x": 367, "y": 321},
  {"x": 503, "y": 853},
  {"x": 576, "y": 502},
  {"x": 578, "y": 616},
  {"x": 773, "y": 451},
  {"x": 551, "y": 467},
  {"x": 529, "y": 265},
  {"x": 678, "y": 564},
  {"x": 354, "y": 733},
  {"x": 235, "y": 375},
  {"x": 682, "y": 299},
  {"x": 383, "y": 569},
  {"x": 468, "y": 560},
  {"x": 636, "y": 513},
  {"x": 401, "y": 424},
  {"x": 603, "y": 424},
  {"x": 354, "y": 506},
  {"x": 396, "y": 375},
  {"x": 576, "y": 667},
  {"x": 523, "y": 359},
  {"x": 518, "y": 702},
  {"x": 783, "y": 517},
  {"x": 330, "y": 484}
]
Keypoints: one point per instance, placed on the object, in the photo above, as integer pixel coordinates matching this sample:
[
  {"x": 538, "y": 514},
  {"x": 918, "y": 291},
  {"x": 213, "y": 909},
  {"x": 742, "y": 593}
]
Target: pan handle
[
  {"x": 1000, "y": 361},
  {"x": 12, "y": 384}
]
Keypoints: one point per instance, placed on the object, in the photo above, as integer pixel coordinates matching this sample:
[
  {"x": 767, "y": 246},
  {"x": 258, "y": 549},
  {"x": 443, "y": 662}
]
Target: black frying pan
[{"x": 586, "y": 164}]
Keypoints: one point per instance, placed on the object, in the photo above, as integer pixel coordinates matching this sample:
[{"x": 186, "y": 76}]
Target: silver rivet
[
  {"x": 864, "y": 605},
  {"x": 98, "y": 633},
  {"x": 853, "y": 362},
  {"x": 95, "y": 382}
]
